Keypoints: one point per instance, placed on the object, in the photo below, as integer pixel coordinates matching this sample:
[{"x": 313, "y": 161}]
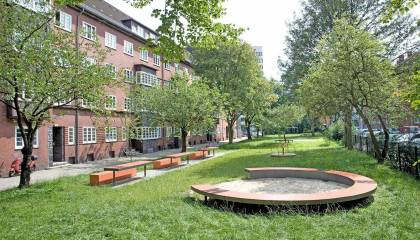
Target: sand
[{"x": 285, "y": 185}]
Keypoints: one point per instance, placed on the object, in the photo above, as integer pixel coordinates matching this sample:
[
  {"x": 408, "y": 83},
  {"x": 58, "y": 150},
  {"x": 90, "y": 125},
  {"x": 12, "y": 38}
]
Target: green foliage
[
  {"x": 398, "y": 7},
  {"x": 162, "y": 207},
  {"x": 335, "y": 131},
  {"x": 317, "y": 19},
  {"x": 186, "y": 24},
  {"x": 184, "y": 105},
  {"x": 280, "y": 118},
  {"x": 233, "y": 70}
]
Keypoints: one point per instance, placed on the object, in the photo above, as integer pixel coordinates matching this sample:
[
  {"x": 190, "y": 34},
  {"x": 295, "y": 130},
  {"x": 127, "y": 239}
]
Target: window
[
  {"x": 63, "y": 20},
  {"x": 110, "y": 134},
  {"x": 128, "y": 48},
  {"x": 147, "y": 79},
  {"x": 177, "y": 67},
  {"x": 128, "y": 75},
  {"x": 90, "y": 60},
  {"x": 138, "y": 30},
  {"x": 110, "y": 40},
  {"x": 89, "y": 135},
  {"x": 19, "y": 140},
  {"x": 89, "y": 31},
  {"x": 148, "y": 133},
  {"x": 86, "y": 103},
  {"x": 127, "y": 104},
  {"x": 156, "y": 60},
  {"x": 144, "y": 54},
  {"x": 112, "y": 69},
  {"x": 35, "y": 5},
  {"x": 111, "y": 102},
  {"x": 167, "y": 66},
  {"x": 70, "y": 135},
  {"x": 123, "y": 134}
]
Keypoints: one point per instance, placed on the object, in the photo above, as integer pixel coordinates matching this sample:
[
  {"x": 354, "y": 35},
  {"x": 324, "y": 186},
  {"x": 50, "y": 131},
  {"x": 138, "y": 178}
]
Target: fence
[{"x": 403, "y": 156}]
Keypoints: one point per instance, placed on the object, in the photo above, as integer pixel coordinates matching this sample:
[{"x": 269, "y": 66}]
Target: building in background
[
  {"x": 259, "y": 53},
  {"x": 125, "y": 38}
]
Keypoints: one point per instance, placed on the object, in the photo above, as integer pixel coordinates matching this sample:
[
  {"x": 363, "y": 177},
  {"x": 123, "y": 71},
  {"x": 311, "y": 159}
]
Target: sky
[{"x": 265, "y": 21}]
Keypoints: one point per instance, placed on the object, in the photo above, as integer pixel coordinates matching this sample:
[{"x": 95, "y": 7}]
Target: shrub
[{"x": 335, "y": 131}]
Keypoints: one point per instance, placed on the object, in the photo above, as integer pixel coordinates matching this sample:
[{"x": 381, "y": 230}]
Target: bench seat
[
  {"x": 199, "y": 155},
  {"x": 166, "y": 162},
  {"x": 105, "y": 177}
]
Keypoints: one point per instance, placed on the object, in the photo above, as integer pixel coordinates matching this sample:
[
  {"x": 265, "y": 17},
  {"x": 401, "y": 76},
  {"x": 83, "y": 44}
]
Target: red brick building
[{"x": 125, "y": 38}]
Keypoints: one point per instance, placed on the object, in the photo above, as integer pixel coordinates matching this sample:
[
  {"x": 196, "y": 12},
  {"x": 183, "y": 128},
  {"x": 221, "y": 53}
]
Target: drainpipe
[{"x": 76, "y": 117}]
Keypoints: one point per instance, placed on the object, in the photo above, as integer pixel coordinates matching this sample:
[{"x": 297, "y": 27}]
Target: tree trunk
[
  {"x": 312, "y": 128},
  {"x": 248, "y": 129},
  {"x": 230, "y": 132},
  {"x": 258, "y": 132},
  {"x": 386, "y": 141},
  {"x": 184, "y": 134},
  {"x": 372, "y": 135},
  {"x": 25, "y": 171},
  {"x": 348, "y": 136}
]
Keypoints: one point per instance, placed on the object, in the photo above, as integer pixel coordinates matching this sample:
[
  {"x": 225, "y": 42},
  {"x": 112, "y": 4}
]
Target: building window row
[
  {"x": 145, "y": 133},
  {"x": 88, "y": 31},
  {"x": 63, "y": 20},
  {"x": 111, "y": 102},
  {"x": 147, "y": 79},
  {"x": 19, "y": 144},
  {"x": 110, "y": 134}
]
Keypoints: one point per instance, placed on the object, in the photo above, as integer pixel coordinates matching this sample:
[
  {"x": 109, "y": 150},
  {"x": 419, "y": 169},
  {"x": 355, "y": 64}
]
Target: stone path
[{"x": 86, "y": 168}]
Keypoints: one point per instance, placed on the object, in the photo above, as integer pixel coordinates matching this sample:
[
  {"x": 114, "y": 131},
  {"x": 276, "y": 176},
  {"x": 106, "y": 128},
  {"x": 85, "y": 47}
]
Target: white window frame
[
  {"x": 110, "y": 40},
  {"x": 127, "y": 104},
  {"x": 147, "y": 79},
  {"x": 128, "y": 75},
  {"x": 111, "y": 134},
  {"x": 167, "y": 66},
  {"x": 126, "y": 44},
  {"x": 146, "y": 133},
  {"x": 71, "y": 136},
  {"x": 113, "y": 104},
  {"x": 112, "y": 69},
  {"x": 64, "y": 22},
  {"x": 156, "y": 60},
  {"x": 90, "y": 35},
  {"x": 92, "y": 133},
  {"x": 144, "y": 55},
  {"x": 36, "y": 140}
]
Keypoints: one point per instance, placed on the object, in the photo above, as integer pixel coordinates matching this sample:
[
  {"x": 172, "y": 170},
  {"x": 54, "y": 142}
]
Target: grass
[{"x": 161, "y": 208}]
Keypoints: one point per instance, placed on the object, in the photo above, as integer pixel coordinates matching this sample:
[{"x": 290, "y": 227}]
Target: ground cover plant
[{"x": 161, "y": 208}]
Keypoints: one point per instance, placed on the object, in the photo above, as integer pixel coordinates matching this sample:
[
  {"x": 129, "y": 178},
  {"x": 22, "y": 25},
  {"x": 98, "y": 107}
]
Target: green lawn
[{"x": 161, "y": 208}]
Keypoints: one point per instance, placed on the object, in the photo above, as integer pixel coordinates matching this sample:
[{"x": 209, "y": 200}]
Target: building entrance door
[{"x": 58, "y": 144}]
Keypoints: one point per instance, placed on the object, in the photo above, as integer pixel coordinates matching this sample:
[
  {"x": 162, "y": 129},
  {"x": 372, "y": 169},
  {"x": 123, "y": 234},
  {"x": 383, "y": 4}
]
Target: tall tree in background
[
  {"x": 186, "y": 23},
  {"x": 317, "y": 19},
  {"x": 231, "y": 69},
  {"x": 188, "y": 106},
  {"x": 351, "y": 71},
  {"x": 41, "y": 68},
  {"x": 278, "y": 119},
  {"x": 257, "y": 100}
]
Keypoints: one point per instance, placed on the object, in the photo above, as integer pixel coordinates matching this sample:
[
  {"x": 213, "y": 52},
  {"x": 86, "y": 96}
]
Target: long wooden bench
[
  {"x": 166, "y": 162},
  {"x": 107, "y": 176},
  {"x": 200, "y": 154},
  {"x": 178, "y": 156},
  {"x": 118, "y": 172}
]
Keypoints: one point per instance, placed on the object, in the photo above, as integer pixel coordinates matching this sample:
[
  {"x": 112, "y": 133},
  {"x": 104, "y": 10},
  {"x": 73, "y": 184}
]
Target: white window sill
[
  {"x": 93, "y": 39},
  {"x": 113, "y": 48},
  {"x": 89, "y": 142},
  {"x": 109, "y": 141},
  {"x": 64, "y": 29},
  {"x": 131, "y": 55}
]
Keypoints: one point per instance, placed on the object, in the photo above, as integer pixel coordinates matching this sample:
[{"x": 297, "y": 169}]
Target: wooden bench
[
  {"x": 166, "y": 162},
  {"x": 176, "y": 156},
  {"x": 122, "y": 168},
  {"x": 107, "y": 176},
  {"x": 200, "y": 154}
]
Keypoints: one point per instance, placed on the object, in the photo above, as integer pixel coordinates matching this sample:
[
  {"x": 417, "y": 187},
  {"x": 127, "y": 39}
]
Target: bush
[{"x": 335, "y": 131}]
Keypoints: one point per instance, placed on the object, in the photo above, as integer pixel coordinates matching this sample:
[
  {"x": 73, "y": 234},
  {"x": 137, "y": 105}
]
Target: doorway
[{"x": 58, "y": 144}]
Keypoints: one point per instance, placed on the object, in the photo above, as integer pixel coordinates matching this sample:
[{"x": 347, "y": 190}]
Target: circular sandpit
[
  {"x": 283, "y": 155},
  {"x": 291, "y": 186}
]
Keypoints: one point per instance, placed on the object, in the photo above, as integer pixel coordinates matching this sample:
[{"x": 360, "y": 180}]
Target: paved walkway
[{"x": 86, "y": 168}]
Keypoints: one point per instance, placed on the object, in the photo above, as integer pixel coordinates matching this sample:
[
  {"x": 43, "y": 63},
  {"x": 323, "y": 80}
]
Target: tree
[
  {"x": 281, "y": 117},
  {"x": 257, "y": 100},
  {"x": 188, "y": 106},
  {"x": 398, "y": 7},
  {"x": 41, "y": 68},
  {"x": 186, "y": 23},
  {"x": 231, "y": 69},
  {"x": 351, "y": 70},
  {"x": 317, "y": 19}
]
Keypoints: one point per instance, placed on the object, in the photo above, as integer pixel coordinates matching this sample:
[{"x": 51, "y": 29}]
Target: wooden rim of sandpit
[{"x": 359, "y": 187}]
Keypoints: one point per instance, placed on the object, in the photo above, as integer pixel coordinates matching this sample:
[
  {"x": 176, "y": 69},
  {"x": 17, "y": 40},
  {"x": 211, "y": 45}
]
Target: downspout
[{"x": 76, "y": 117}]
